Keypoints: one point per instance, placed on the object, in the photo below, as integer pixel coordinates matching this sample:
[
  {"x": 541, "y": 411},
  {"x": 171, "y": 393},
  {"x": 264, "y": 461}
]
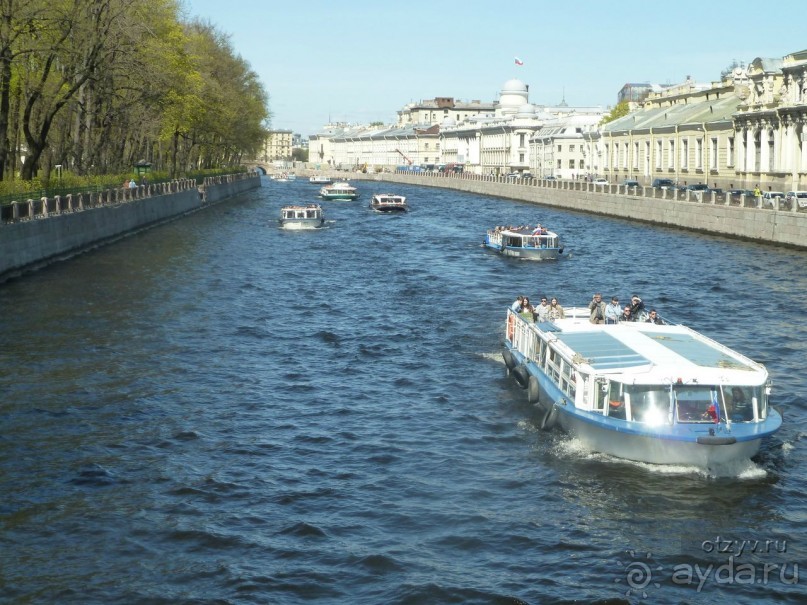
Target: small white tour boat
[
  {"x": 534, "y": 243},
  {"x": 301, "y": 217},
  {"x": 660, "y": 394},
  {"x": 389, "y": 203},
  {"x": 319, "y": 179},
  {"x": 339, "y": 191}
]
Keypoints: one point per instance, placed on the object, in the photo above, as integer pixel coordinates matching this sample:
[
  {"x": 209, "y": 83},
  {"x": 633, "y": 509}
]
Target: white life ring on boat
[
  {"x": 522, "y": 375},
  {"x": 550, "y": 419},
  {"x": 533, "y": 389}
]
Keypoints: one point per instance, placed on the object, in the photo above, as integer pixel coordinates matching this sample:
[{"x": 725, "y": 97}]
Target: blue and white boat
[
  {"x": 525, "y": 242},
  {"x": 339, "y": 191},
  {"x": 301, "y": 217},
  {"x": 660, "y": 394}
]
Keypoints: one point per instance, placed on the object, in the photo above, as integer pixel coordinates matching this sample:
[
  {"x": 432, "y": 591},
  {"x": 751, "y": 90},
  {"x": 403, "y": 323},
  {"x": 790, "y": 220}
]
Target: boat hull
[
  {"x": 527, "y": 253},
  {"x": 654, "y": 450},
  {"x": 301, "y": 224},
  {"x": 339, "y": 195},
  {"x": 389, "y": 209}
]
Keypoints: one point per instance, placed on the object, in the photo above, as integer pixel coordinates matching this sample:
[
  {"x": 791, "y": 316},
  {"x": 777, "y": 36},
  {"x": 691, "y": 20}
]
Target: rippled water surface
[{"x": 218, "y": 411}]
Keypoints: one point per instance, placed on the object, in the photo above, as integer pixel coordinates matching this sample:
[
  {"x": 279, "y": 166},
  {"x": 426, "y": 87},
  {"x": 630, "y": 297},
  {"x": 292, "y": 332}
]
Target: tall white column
[{"x": 749, "y": 151}]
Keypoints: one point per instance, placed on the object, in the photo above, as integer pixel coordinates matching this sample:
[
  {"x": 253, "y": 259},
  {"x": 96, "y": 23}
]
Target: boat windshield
[
  {"x": 649, "y": 403},
  {"x": 719, "y": 404}
]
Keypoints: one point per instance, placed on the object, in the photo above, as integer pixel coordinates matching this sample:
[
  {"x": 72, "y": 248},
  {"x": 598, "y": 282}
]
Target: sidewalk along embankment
[
  {"x": 706, "y": 214},
  {"x": 35, "y": 233}
]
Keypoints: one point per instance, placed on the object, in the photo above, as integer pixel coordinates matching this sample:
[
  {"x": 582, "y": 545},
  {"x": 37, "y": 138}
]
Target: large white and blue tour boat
[
  {"x": 533, "y": 243},
  {"x": 660, "y": 394}
]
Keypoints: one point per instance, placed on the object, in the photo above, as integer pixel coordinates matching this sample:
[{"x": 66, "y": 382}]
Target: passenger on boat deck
[
  {"x": 612, "y": 311},
  {"x": 597, "y": 308},
  {"x": 555, "y": 310},
  {"x": 626, "y": 315},
  {"x": 516, "y": 306},
  {"x": 654, "y": 318},
  {"x": 527, "y": 312},
  {"x": 542, "y": 310},
  {"x": 636, "y": 305}
]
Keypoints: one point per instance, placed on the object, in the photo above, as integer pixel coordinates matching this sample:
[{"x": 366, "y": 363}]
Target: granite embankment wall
[
  {"x": 54, "y": 229},
  {"x": 709, "y": 215}
]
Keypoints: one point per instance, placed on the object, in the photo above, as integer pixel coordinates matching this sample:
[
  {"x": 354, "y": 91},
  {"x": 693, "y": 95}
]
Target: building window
[
  {"x": 571, "y": 164},
  {"x": 559, "y": 166},
  {"x": 521, "y": 140},
  {"x": 560, "y": 148},
  {"x": 635, "y": 163},
  {"x": 684, "y": 154},
  {"x": 658, "y": 155},
  {"x": 427, "y": 147},
  {"x": 713, "y": 154},
  {"x": 671, "y": 158},
  {"x": 571, "y": 147},
  {"x": 699, "y": 154},
  {"x": 730, "y": 152},
  {"x": 580, "y": 164}
]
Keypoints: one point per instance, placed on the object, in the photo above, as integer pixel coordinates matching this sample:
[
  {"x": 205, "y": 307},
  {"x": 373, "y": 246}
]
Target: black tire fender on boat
[
  {"x": 509, "y": 359},
  {"x": 550, "y": 419},
  {"x": 532, "y": 390},
  {"x": 716, "y": 440},
  {"x": 522, "y": 375}
]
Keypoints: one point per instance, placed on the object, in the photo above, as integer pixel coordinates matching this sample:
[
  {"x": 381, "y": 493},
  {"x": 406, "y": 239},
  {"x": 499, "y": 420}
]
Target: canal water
[{"x": 218, "y": 411}]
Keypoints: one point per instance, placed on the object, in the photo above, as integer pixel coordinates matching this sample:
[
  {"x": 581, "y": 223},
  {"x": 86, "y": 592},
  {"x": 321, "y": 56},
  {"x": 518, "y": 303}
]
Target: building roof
[{"x": 707, "y": 111}]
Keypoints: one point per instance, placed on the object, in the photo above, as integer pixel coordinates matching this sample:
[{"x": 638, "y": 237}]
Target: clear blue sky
[{"x": 360, "y": 61}]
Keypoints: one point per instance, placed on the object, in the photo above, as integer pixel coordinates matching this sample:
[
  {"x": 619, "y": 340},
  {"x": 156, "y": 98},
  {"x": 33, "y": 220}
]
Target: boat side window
[
  {"x": 553, "y": 366},
  {"x": 616, "y": 401},
  {"x": 567, "y": 383},
  {"x": 600, "y": 395},
  {"x": 649, "y": 404}
]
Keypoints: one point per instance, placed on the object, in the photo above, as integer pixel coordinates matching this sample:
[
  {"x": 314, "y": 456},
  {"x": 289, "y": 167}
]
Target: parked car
[
  {"x": 550, "y": 178},
  {"x": 772, "y": 199},
  {"x": 698, "y": 187},
  {"x": 631, "y": 183},
  {"x": 514, "y": 176},
  {"x": 798, "y": 196},
  {"x": 663, "y": 184},
  {"x": 601, "y": 182}
]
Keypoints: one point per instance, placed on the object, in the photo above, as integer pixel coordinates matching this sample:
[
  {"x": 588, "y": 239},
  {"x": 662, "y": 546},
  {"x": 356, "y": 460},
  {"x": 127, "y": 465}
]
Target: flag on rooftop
[{"x": 519, "y": 61}]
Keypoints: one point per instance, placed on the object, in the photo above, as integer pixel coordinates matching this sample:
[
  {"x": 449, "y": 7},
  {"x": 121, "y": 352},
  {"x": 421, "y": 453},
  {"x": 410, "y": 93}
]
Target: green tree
[{"x": 619, "y": 110}]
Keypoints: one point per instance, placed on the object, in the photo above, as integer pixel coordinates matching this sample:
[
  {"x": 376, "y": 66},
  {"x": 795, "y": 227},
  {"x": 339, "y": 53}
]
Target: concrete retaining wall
[
  {"x": 780, "y": 227},
  {"x": 29, "y": 244}
]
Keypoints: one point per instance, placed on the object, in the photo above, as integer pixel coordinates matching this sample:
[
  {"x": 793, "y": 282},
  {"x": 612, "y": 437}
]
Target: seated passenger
[
  {"x": 555, "y": 310},
  {"x": 542, "y": 310},
  {"x": 527, "y": 311},
  {"x": 654, "y": 318},
  {"x": 626, "y": 315}
]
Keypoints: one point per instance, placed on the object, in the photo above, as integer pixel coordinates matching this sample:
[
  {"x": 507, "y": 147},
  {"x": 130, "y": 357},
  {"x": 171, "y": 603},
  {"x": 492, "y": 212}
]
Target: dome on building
[
  {"x": 514, "y": 95},
  {"x": 526, "y": 111},
  {"x": 514, "y": 86}
]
